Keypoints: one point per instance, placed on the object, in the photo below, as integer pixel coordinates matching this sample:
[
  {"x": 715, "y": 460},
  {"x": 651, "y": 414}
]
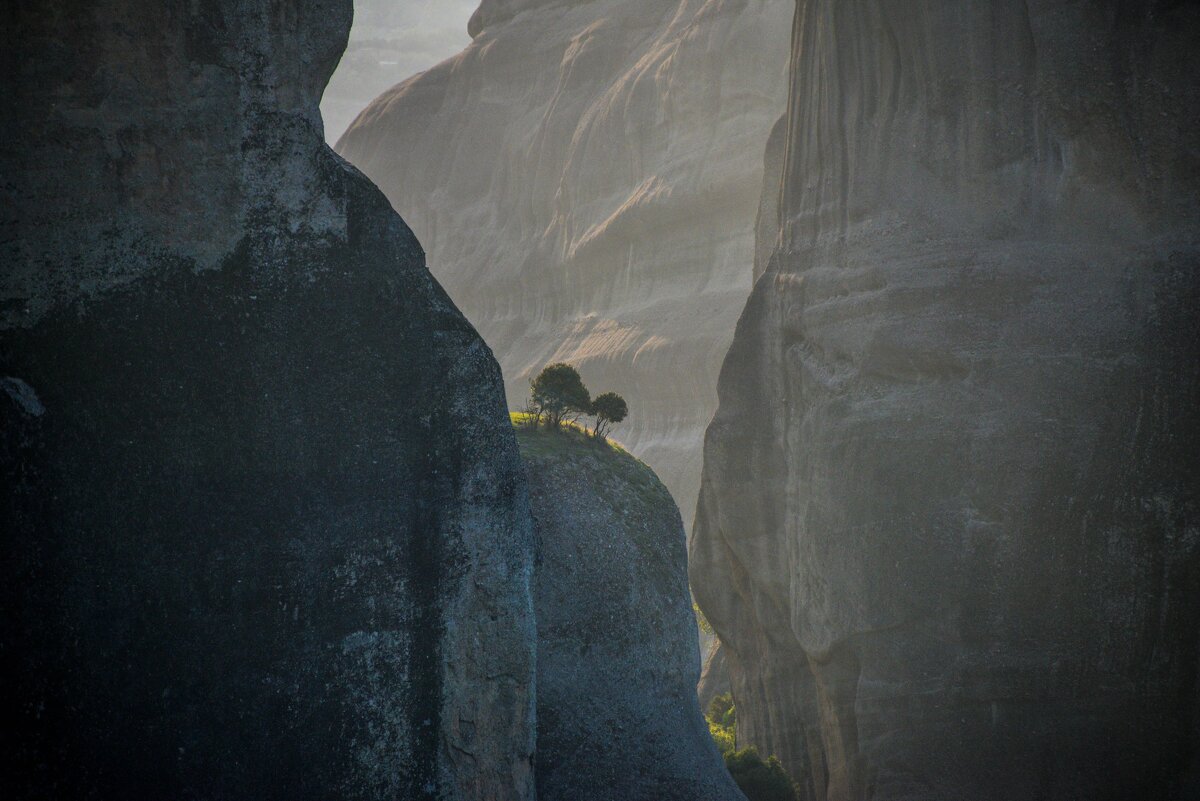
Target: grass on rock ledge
[{"x": 572, "y": 443}]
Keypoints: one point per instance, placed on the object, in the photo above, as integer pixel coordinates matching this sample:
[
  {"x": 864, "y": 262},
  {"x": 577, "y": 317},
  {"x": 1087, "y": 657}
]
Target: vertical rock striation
[
  {"x": 266, "y": 532},
  {"x": 948, "y": 526},
  {"x": 585, "y": 177},
  {"x": 617, "y": 662}
]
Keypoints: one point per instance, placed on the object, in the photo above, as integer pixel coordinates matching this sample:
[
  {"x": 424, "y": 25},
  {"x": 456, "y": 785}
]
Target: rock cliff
[
  {"x": 585, "y": 178},
  {"x": 617, "y": 659},
  {"x": 266, "y": 531},
  {"x": 948, "y": 527}
]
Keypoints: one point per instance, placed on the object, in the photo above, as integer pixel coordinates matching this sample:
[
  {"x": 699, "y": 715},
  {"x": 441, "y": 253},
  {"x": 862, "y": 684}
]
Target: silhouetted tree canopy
[
  {"x": 558, "y": 394},
  {"x": 608, "y": 409}
]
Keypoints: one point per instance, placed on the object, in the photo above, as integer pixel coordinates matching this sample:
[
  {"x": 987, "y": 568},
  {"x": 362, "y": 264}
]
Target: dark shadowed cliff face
[
  {"x": 617, "y": 662},
  {"x": 585, "y": 177},
  {"x": 266, "y": 532},
  {"x": 948, "y": 527}
]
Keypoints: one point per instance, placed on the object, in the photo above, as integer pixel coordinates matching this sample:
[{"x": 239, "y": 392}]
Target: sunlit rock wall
[
  {"x": 948, "y": 528},
  {"x": 265, "y": 529},
  {"x": 585, "y": 178}
]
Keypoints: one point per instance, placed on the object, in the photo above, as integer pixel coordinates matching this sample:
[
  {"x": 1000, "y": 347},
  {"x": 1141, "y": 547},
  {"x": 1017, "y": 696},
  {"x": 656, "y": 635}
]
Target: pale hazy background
[{"x": 391, "y": 40}]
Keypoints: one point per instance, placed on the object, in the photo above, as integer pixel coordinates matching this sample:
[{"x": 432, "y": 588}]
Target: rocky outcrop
[
  {"x": 617, "y": 662},
  {"x": 948, "y": 529},
  {"x": 266, "y": 532},
  {"x": 585, "y": 178}
]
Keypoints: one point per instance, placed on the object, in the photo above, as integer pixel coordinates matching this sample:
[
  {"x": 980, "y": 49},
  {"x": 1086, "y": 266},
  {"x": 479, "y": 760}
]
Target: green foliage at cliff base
[{"x": 759, "y": 779}]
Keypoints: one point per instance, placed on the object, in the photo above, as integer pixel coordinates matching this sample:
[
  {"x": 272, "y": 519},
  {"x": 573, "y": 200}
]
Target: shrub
[
  {"x": 702, "y": 621},
  {"x": 608, "y": 409},
  {"x": 759, "y": 780},
  {"x": 722, "y": 711},
  {"x": 722, "y": 736}
]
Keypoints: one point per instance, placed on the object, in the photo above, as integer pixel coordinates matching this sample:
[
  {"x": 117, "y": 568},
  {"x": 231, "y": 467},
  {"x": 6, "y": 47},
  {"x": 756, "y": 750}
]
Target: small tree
[
  {"x": 722, "y": 723},
  {"x": 558, "y": 394},
  {"x": 608, "y": 409},
  {"x": 722, "y": 711},
  {"x": 531, "y": 415},
  {"x": 760, "y": 780}
]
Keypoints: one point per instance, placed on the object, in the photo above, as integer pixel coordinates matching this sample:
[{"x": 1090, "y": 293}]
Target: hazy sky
[{"x": 390, "y": 41}]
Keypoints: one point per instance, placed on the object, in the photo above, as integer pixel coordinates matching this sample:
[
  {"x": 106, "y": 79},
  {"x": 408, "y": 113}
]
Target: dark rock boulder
[
  {"x": 617, "y": 661},
  {"x": 266, "y": 533},
  {"x": 949, "y": 526}
]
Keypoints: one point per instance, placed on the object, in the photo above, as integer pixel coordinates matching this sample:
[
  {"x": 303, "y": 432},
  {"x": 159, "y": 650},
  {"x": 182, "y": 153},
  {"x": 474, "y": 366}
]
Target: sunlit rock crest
[
  {"x": 948, "y": 524},
  {"x": 585, "y": 179},
  {"x": 266, "y": 532}
]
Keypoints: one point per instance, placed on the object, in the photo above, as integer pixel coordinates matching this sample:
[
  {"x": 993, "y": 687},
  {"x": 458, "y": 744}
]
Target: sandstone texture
[
  {"x": 266, "y": 532},
  {"x": 617, "y": 660},
  {"x": 948, "y": 529},
  {"x": 585, "y": 178}
]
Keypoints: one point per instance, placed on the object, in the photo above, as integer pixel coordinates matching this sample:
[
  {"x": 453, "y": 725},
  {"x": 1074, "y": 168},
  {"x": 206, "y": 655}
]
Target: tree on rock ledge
[
  {"x": 608, "y": 409},
  {"x": 558, "y": 394}
]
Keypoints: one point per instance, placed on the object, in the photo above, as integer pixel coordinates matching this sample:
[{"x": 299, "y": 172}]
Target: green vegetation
[
  {"x": 571, "y": 457},
  {"x": 539, "y": 440},
  {"x": 575, "y": 443},
  {"x": 722, "y": 723},
  {"x": 701, "y": 621},
  {"x": 722, "y": 712},
  {"x": 723, "y": 737},
  {"x": 608, "y": 409},
  {"x": 558, "y": 394},
  {"x": 557, "y": 397},
  {"x": 759, "y": 779}
]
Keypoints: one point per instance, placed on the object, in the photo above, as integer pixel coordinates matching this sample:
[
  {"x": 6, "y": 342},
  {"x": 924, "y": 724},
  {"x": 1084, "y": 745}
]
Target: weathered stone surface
[
  {"x": 266, "y": 532},
  {"x": 585, "y": 178},
  {"x": 617, "y": 661},
  {"x": 714, "y": 675},
  {"x": 948, "y": 528}
]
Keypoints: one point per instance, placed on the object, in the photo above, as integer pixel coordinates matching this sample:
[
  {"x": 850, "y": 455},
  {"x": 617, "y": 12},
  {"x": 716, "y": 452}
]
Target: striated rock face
[
  {"x": 617, "y": 659},
  {"x": 948, "y": 529},
  {"x": 266, "y": 530},
  {"x": 714, "y": 676},
  {"x": 389, "y": 42},
  {"x": 585, "y": 177}
]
